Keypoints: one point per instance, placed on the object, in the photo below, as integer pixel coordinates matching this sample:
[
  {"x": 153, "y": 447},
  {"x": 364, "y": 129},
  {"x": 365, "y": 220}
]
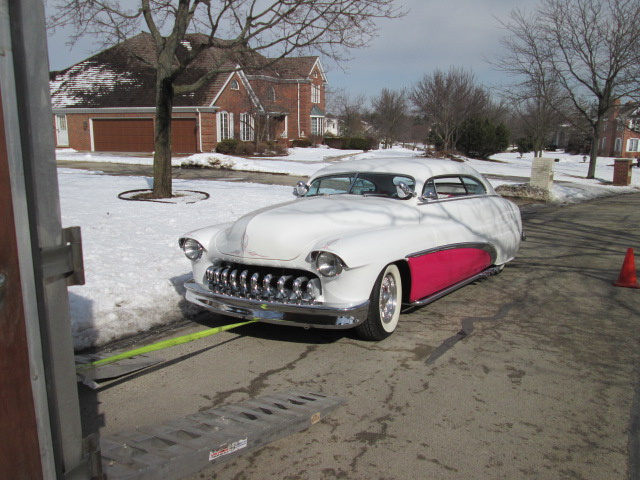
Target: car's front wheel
[{"x": 384, "y": 307}]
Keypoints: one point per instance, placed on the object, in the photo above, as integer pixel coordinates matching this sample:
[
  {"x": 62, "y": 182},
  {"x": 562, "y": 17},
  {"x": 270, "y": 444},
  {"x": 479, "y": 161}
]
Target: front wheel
[{"x": 384, "y": 306}]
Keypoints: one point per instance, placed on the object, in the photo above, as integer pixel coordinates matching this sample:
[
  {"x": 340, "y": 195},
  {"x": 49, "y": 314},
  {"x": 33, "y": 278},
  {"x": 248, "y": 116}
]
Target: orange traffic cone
[{"x": 627, "y": 276}]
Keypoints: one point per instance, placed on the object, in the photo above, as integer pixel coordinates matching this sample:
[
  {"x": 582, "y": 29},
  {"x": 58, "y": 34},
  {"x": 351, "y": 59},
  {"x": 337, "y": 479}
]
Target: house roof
[
  {"x": 124, "y": 75},
  {"x": 317, "y": 111},
  {"x": 117, "y": 77},
  {"x": 295, "y": 67},
  {"x": 275, "y": 109}
]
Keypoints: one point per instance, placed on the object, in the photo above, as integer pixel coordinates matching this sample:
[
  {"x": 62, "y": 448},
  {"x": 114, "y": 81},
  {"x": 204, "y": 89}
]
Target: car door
[{"x": 458, "y": 211}]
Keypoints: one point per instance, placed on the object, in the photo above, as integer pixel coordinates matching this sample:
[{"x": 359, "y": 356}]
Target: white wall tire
[{"x": 385, "y": 305}]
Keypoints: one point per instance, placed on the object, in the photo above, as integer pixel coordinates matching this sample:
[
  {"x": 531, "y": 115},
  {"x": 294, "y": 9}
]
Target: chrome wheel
[
  {"x": 384, "y": 306},
  {"x": 388, "y": 299}
]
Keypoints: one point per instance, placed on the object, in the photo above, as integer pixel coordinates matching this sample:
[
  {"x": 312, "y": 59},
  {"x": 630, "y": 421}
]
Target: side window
[
  {"x": 452, "y": 186},
  {"x": 330, "y": 186},
  {"x": 474, "y": 187},
  {"x": 362, "y": 186},
  {"x": 447, "y": 187}
]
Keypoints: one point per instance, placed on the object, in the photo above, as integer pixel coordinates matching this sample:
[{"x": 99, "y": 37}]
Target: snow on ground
[
  {"x": 299, "y": 161},
  {"x": 134, "y": 268},
  {"x": 568, "y": 169}
]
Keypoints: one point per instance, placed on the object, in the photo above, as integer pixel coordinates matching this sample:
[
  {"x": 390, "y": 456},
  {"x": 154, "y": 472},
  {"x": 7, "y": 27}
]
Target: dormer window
[
  {"x": 271, "y": 94},
  {"x": 235, "y": 85}
]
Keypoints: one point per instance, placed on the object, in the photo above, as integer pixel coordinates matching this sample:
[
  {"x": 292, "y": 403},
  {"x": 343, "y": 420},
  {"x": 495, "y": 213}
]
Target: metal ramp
[
  {"x": 188, "y": 445},
  {"x": 89, "y": 375}
]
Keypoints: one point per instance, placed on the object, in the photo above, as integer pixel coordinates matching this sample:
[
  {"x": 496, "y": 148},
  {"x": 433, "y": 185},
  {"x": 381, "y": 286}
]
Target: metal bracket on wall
[
  {"x": 65, "y": 260},
  {"x": 91, "y": 465}
]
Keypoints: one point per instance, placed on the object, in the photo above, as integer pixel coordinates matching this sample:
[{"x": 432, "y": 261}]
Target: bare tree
[
  {"x": 446, "y": 100},
  {"x": 539, "y": 109},
  {"x": 591, "y": 49},
  {"x": 350, "y": 110},
  {"x": 279, "y": 28},
  {"x": 416, "y": 132},
  {"x": 389, "y": 115}
]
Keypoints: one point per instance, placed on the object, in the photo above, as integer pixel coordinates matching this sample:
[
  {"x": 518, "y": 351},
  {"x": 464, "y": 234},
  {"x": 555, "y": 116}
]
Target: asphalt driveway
[{"x": 528, "y": 374}]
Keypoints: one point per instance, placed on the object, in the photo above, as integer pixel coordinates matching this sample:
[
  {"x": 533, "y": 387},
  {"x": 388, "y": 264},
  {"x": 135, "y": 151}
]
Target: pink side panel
[{"x": 433, "y": 272}]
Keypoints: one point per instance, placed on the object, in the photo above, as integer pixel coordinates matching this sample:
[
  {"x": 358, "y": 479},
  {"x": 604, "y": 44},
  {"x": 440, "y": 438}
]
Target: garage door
[
  {"x": 136, "y": 135},
  {"x": 183, "y": 135},
  {"x": 123, "y": 135}
]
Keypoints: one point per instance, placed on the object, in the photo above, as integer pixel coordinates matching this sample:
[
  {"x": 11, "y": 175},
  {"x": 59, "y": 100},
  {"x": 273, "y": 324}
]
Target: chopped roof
[{"x": 420, "y": 168}]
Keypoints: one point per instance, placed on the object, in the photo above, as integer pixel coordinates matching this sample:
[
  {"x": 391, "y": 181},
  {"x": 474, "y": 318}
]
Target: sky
[{"x": 434, "y": 34}]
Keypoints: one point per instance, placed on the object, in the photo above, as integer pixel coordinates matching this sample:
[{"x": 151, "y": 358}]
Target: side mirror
[
  {"x": 428, "y": 196},
  {"x": 404, "y": 191},
  {"x": 301, "y": 189}
]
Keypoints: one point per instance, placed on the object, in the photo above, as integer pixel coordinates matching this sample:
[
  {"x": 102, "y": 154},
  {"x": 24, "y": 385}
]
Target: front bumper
[{"x": 317, "y": 316}]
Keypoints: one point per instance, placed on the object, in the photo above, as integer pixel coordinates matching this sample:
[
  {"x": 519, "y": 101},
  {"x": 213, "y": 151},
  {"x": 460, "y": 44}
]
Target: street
[{"x": 528, "y": 374}]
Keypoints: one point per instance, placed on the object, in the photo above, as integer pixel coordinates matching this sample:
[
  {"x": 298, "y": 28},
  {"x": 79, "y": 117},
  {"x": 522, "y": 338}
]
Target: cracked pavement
[{"x": 531, "y": 373}]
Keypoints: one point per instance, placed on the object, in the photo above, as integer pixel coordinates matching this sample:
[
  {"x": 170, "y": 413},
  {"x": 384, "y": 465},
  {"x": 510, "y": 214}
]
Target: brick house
[
  {"x": 621, "y": 132},
  {"x": 107, "y": 102}
]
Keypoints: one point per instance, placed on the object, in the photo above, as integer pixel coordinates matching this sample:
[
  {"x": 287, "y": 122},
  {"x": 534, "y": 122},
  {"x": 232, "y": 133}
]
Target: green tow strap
[{"x": 161, "y": 345}]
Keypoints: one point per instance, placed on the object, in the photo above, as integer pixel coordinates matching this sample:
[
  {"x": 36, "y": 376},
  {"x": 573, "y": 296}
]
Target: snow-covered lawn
[{"x": 133, "y": 266}]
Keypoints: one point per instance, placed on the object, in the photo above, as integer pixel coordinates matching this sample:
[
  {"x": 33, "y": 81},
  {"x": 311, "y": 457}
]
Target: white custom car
[{"x": 362, "y": 239}]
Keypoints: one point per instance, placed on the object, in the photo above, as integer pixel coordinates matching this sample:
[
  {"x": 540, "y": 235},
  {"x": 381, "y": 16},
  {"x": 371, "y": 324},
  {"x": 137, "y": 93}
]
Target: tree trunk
[
  {"x": 538, "y": 146},
  {"x": 162, "y": 140},
  {"x": 591, "y": 173},
  {"x": 446, "y": 140}
]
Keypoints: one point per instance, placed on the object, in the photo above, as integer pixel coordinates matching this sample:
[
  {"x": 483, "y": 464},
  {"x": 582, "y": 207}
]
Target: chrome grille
[{"x": 263, "y": 284}]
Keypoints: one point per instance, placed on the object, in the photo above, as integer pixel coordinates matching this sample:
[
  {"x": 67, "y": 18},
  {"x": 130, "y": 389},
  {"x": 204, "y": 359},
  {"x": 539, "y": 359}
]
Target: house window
[
  {"x": 235, "y": 85},
  {"x": 603, "y": 143},
  {"x": 225, "y": 125},
  {"x": 271, "y": 94},
  {"x": 246, "y": 127},
  {"x": 618, "y": 146},
  {"x": 633, "y": 145},
  {"x": 315, "y": 93},
  {"x": 317, "y": 125}
]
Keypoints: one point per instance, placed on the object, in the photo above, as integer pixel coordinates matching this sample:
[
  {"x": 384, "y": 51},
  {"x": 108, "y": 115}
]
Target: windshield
[{"x": 366, "y": 184}]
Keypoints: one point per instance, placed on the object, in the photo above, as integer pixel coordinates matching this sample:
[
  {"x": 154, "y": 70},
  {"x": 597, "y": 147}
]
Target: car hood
[{"x": 285, "y": 231}]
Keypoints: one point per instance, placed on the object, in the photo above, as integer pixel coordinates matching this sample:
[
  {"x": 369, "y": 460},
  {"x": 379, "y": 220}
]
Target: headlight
[
  {"x": 329, "y": 264},
  {"x": 192, "y": 249}
]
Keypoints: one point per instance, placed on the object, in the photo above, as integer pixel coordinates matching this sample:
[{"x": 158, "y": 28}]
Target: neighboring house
[
  {"x": 107, "y": 102},
  {"x": 332, "y": 125},
  {"x": 620, "y": 136}
]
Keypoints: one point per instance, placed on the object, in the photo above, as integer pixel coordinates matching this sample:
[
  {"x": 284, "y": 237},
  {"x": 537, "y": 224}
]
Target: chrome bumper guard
[{"x": 317, "y": 316}]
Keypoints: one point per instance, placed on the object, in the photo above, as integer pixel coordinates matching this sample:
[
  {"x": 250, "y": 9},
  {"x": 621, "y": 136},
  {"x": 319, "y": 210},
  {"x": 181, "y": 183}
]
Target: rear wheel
[{"x": 384, "y": 306}]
